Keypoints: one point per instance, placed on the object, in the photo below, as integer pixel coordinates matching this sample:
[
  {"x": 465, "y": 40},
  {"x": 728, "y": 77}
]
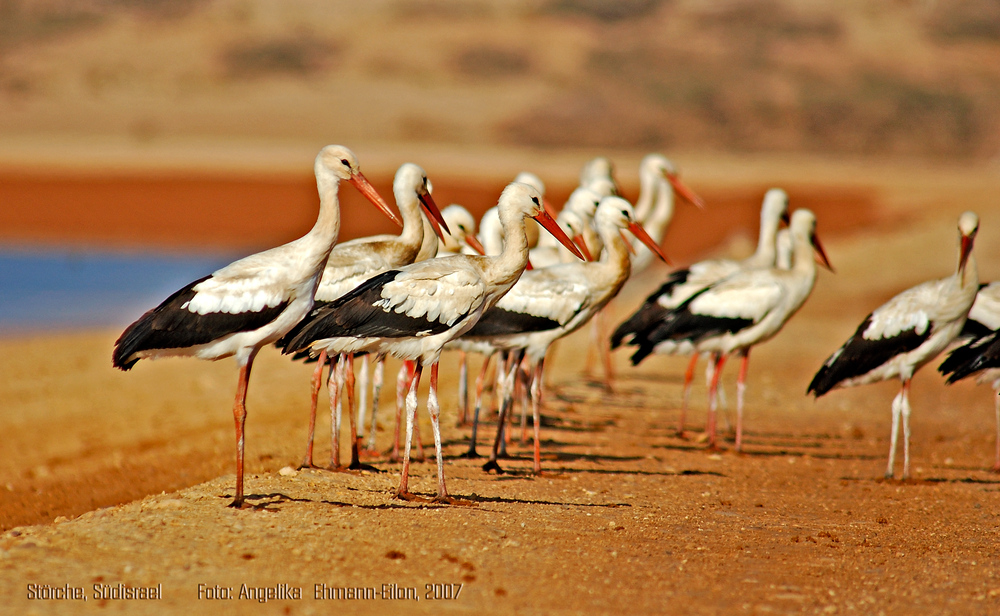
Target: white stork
[
  {"x": 979, "y": 355},
  {"x": 740, "y": 312},
  {"x": 252, "y": 302},
  {"x": 412, "y": 312},
  {"x": 349, "y": 265},
  {"x": 654, "y": 208},
  {"x": 905, "y": 333},
  {"x": 682, "y": 284},
  {"x": 550, "y": 303}
]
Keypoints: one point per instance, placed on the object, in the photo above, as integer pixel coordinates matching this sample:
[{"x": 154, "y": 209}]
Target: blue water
[{"x": 61, "y": 288}]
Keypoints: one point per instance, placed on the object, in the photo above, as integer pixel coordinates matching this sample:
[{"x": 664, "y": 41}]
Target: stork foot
[
  {"x": 451, "y": 500},
  {"x": 411, "y": 497},
  {"x": 471, "y": 454},
  {"x": 493, "y": 466}
]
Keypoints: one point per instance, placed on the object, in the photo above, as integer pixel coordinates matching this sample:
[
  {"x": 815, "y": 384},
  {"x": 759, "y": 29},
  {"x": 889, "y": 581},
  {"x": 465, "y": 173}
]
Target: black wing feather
[
  {"x": 169, "y": 326},
  {"x": 355, "y": 315},
  {"x": 500, "y": 322},
  {"x": 649, "y": 314},
  {"x": 972, "y": 358},
  {"x": 859, "y": 356}
]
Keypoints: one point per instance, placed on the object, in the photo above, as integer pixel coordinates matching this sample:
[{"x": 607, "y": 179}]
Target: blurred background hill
[{"x": 901, "y": 78}]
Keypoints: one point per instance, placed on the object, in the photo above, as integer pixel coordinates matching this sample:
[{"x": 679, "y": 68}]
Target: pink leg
[
  {"x": 411, "y": 412},
  {"x": 434, "y": 410},
  {"x": 463, "y": 389},
  {"x": 377, "y": 378},
  {"x": 740, "y": 389},
  {"x": 536, "y": 394},
  {"x": 403, "y": 378},
  {"x": 713, "y": 389},
  {"x": 317, "y": 381},
  {"x": 480, "y": 383},
  {"x": 688, "y": 377},
  {"x": 355, "y": 450},
  {"x": 996, "y": 411},
  {"x": 334, "y": 385},
  {"x": 240, "y": 419}
]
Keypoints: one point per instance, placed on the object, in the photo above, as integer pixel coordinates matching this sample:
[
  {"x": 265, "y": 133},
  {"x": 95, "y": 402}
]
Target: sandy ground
[{"x": 109, "y": 478}]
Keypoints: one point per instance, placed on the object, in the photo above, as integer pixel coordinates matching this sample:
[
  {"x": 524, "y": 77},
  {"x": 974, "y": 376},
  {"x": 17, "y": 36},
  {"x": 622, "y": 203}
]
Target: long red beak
[
  {"x": 582, "y": 245},
  {"x": 822, "y": 253},
  {"x": 967, "y": 241},
  {"x": 552, "y": 227},
  {"x": 685, "y": 192},
  {"x": 640, "y": 233},
  {"x": 437, "y": 220},
  {"x": 365, "y": 188},
  {"x": 473, "y": 242}
]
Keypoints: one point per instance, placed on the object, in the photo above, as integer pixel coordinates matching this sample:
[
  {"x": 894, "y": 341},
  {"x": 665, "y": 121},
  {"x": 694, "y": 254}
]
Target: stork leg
[
  {"x": 524, "y": 377},
  {"x": 402, "y": 378},
  {"x": 240, "y": 419},
  {"x": 411, "y": 413},
  {"x": 720, "y": 393},
  {"x": 506, "y": 399},
  {"x": 362, "y": 397},
  {"x": 996, "y": 411},
  {"x": 317, "y": 382},
  {"x": 686, "y": 399},
  {"x": 897, "y": 409},
  {"x": 741, "y": 386},
  {"x": 355, "y": 440},
  {"x": 334, "y": 385},
  {"x": 480, "y": 383},
  {"x": 536, "y": 394},
  {"x": 434, "y": 410},
  {"x": 906, "y": 429},
  {"x": 377, "y": 379},
  {"x": 463, "y": 389},
  {"x": 718, "y": 360}
]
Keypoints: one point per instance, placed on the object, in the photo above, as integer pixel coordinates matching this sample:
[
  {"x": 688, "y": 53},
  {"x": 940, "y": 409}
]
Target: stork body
[
  {"x": 682, "y": 284},
  {"x": 239, "y": 309},
  {"x": 353, "y": 262},
  {"x": 738, "y": 313},
  {"x": 412, "y": 312},
  {"x": 550, "y": 303},
  {"x": 979, "y": 354},
  {"x": 902, "y": 335}
]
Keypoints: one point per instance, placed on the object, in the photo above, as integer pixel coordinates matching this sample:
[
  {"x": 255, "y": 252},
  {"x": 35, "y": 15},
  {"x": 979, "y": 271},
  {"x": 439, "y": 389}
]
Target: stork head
[
  {"x": 599, "y": 169},
  {"x": 968, "y": 227},
  {"x": 411, "y": 180},
  {"x": 461, "y": 229},
  {"x": 803, "y": 225},
  {"x": 574, "y": 227},
  {"x": 527, "y": 201},
  {"x": 583, "y": 202},
  {"x": 659, "y": 165},
  {"x": 775, "y": 207},
  {"x": 343, "y": 165},
  {"x": 617, "y": 213}
]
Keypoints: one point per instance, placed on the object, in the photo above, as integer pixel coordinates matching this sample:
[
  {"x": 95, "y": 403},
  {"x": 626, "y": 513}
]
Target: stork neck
[
  {"x": 412, "y": 234},
  {"x": 662, "y": 214},
  {"x": 429, "y": 245},
  {"x": 327, "y": 226},
  {"x": 766, "y": 251},
  {"x": 649, "y": 188},
  {"x": 508, "y": 265},
  {"x": 970, "y": 275}
]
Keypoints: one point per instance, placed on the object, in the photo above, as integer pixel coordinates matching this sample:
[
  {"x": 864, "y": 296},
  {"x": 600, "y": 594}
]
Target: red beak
[
  {"x": 473, "y": 242},
  {"x": 822, "y": 253},
  {"x": 640, "y": 233},
  {"x": 365, "y": 188},
  {"x": 582, "y": 245},
  {"x": 967, "y": 241},
  {"x": 552, "y": 227},
  {"x": 434, "y": 214},
  {"x": 685, "y": 192}
]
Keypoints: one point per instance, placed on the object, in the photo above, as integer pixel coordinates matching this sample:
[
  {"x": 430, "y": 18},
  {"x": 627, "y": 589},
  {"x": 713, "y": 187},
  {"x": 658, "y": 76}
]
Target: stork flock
[{"x": 512, "y": 292}]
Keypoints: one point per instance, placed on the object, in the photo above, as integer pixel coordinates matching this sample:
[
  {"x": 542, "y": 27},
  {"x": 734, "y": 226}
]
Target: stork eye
[
  {"x": 535, "y": 200},
  {"x": 346, "y": 162},
  {"x": 625, "y": 213}
]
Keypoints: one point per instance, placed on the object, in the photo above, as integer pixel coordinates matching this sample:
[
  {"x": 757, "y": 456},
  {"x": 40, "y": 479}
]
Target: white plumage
[
  {"x": 905, "y": 333},
  {"x": 252, "y": 302}
]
